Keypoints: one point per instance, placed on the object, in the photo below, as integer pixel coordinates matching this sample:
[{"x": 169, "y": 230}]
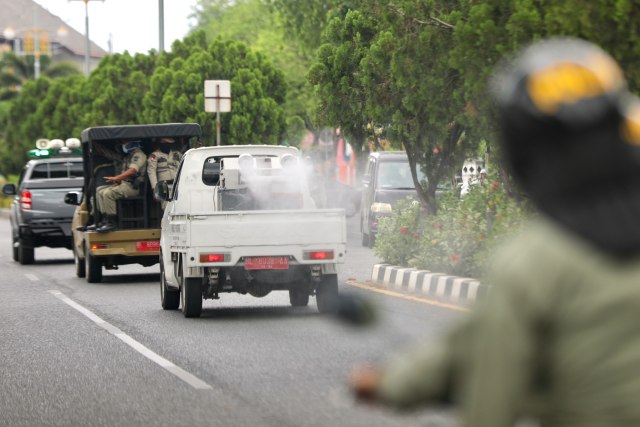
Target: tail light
[
  {"x": 95, "y": 246},
  {"x": 318, "y": 255},
  {"x": 215, "y": 257},
  {"x": 25, "y": 200}
]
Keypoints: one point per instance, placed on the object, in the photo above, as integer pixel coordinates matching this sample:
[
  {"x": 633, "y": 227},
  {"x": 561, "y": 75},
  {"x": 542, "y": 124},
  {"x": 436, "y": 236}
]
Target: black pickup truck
[{"x": 39, "y": 216}]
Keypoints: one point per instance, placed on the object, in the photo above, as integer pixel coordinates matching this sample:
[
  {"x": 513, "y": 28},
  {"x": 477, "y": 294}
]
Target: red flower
[
  {"x": 403, "y": 230},
  {"x": 437, "y": 226},
  {"x": 454, "y": 258}
]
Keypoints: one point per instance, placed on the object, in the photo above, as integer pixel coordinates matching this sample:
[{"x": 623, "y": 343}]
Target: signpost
[{"x": 217, "y": 98}]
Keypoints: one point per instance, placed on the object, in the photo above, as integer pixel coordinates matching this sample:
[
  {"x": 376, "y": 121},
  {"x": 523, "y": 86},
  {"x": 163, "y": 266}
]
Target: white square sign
[{"x": 217, "y": 96}]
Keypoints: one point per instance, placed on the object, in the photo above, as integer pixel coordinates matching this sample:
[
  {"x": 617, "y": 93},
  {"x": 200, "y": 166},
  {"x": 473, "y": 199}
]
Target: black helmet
[
  {"x": 571, "y": 134},
  {"x": 567, "y": 80}
]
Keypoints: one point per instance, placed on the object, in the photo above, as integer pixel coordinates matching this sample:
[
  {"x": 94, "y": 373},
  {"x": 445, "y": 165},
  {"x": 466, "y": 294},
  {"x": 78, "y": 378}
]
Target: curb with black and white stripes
[{"x": 423, "y": 282}]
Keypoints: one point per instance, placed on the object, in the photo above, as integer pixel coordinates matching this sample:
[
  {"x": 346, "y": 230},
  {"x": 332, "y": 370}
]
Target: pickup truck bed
[{"x": 249, "y": 232}]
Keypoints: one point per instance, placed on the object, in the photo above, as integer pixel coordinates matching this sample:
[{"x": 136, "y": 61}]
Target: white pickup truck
[{"x": 241, "y": 219}]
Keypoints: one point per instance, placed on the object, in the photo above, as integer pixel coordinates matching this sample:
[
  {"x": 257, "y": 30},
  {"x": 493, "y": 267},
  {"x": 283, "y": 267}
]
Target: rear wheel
[
  {"x": 327, "y": 294},
  {"x": 14, "y": 248},
  {"x": 25, "y": 253},
  {"x": 93, "y": 266},
  {"x": 81, "y": 270},
  {"x": 365, "y": 240},
  {"x": 299, "y": 297},
  {"x": 170, "y": 298},
  {"x": 365, "y": 236},
  {"x": 190, "y": 293}
]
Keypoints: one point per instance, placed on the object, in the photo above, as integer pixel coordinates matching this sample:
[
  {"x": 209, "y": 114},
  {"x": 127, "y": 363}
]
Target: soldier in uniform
[
  {"x": 124, "y": 185},
  {"x": 162, "y": 164},
  {"x": 557, "y": 338}
]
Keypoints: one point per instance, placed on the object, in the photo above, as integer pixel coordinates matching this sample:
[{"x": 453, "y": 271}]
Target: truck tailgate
[
  {"x": 268, "y": 228},
  {"x": 49, "y": 203}
]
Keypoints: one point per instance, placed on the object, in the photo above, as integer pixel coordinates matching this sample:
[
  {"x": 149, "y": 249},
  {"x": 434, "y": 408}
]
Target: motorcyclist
[{"x": 557, "y": 338}]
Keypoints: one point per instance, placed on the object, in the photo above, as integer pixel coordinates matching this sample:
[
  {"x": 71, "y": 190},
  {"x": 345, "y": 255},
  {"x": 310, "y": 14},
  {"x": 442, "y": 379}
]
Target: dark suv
[
  {"x": 39, "y": 216},
  {"x": 387, "y": 180}
]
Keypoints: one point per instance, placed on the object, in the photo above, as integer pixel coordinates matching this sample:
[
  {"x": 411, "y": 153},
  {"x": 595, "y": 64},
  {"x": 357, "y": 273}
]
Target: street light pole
[
  {"x": 161, "y": 23},
  {"x": 87, "y": 48},
  {"x": 36, "y": 43}
]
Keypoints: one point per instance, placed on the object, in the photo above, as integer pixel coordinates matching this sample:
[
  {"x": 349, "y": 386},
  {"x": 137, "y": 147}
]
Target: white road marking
[
  {"x": 31, "y": 277},
  {"x": 185, "y": 376}
]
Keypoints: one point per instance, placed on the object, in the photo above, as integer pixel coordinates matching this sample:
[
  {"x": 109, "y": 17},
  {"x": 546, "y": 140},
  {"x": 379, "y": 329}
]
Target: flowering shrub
[
  {"x": 399, "y": 234},
  {"x": 457, "y": 240}
]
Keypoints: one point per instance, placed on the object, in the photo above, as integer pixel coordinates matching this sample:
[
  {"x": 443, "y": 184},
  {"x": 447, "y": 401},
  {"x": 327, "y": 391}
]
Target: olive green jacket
[{"x": 557, "y": 338}]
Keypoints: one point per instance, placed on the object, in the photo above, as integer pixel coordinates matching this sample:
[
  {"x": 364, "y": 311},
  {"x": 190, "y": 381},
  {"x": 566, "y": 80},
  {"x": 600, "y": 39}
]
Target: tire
[
  {"x": 169, "y": 298},
  {"x": 93, "y": 266},
  {"x": 299, "y": 297},
  {"x": 191, "y": 297},
  {"x": 327, "y": 294},
  {"x": 14, "y": 249},
  {"x": 365, "y": 240},
  {"x": 365, "y": 237},
  {"x": 25, "y": 254},
  {"x": 81, "y": 268}
]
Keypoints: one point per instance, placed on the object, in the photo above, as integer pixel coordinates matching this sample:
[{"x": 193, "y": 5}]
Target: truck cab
[{"x": 136, "y": 238}]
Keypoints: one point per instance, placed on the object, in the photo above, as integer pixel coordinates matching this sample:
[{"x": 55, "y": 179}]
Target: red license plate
[
  {"x": 148, "y": 246},
  {"x": 266, "y": 263}
]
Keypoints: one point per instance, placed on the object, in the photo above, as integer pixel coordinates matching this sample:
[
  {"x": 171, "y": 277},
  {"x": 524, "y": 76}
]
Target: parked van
[{"x": 387, "y": 180}]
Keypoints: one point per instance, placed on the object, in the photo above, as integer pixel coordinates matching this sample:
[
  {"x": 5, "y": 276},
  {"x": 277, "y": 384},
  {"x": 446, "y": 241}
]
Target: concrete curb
[{"x": 424, "y": 282}]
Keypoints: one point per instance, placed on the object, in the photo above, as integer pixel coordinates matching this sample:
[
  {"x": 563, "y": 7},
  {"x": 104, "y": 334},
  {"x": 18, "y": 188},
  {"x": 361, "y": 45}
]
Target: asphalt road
[{"x": 79, "y": 354}]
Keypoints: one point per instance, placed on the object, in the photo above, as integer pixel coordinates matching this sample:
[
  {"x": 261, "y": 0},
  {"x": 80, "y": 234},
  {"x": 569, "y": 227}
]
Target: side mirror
[
  {"x": 9, "y": 189},
  {"x": 161, "y": 191},
  {"x": 72, "y": 198}
]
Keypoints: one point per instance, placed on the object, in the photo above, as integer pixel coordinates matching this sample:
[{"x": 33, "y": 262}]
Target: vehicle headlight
[{"x": 381, "y": 208}]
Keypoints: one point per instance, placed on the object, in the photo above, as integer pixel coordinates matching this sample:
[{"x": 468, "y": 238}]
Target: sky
[{"x": 131, "y": 24}]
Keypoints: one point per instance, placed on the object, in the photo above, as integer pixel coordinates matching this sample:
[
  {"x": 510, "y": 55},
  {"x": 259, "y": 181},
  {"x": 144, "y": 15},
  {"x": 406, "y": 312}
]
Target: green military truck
[{"x": 137, "y": 236}]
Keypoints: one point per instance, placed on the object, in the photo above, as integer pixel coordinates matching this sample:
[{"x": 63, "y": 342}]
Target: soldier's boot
[
  {"x": 109, "y": 224},
  {"x": 88, "y": 227}
]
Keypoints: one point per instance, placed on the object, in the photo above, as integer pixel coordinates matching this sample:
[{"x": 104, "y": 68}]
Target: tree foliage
[
  {"x": 153, "y": 88},
  {"x": 15, "y": 70},
  {"x": 337, "y": 75},
  {"x": 262, "y": 28},
  {"x": 422, "y": 76}
]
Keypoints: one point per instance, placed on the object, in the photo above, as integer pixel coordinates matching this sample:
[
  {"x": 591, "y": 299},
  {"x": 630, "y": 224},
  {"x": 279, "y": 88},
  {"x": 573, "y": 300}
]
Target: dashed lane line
[
  {"x": 31, "y": 277},
  {"x": 353, "y": 283},
  {"x": 169, "y": 366}
]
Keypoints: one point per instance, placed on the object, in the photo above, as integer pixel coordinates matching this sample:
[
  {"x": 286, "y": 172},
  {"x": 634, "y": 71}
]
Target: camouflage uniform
[
  {"x": 107, "y": 195},
  {"x": 163, "y": 167}
]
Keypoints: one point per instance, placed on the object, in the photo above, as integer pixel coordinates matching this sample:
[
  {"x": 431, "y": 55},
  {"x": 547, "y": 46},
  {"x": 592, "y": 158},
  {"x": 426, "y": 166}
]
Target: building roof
[{"x": 20, "y": 15}]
